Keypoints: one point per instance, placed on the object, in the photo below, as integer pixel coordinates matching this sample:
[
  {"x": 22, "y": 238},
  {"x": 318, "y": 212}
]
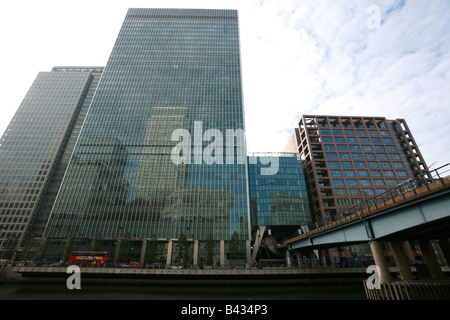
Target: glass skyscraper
[
  {"x": 35, "y": 150},
  {"x": 169, "y": 70}
]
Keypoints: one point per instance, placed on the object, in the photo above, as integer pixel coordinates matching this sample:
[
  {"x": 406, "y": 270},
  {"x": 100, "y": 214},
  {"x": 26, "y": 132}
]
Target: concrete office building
[{"x": 349, "y": 159}]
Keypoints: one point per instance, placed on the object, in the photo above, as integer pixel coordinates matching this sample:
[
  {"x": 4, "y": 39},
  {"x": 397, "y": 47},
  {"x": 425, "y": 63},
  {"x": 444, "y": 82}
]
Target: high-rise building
[
  {"x": 35, "y": 150},
  {"x": 347, "y": 159},
  {"x": 170, "y": 70}
]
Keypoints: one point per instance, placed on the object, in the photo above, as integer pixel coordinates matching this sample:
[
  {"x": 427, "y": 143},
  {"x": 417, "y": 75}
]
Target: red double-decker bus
[{"x": 89, "y": 258}]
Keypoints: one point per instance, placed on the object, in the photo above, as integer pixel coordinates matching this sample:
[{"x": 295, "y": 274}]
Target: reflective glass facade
[
  {"x": 170, "y": 69},
  {"x": 278, "y": 201},
  {"x": 35, "y": 149}
]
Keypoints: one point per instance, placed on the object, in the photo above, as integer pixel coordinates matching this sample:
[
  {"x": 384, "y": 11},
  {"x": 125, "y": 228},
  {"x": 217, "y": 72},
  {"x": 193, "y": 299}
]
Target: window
[
  {"x": 354, "y": 192},
  {"x": 352, "y": 182},
  {"x": 344, "y": 155},
  {"x": 388, "y": 173},
  {"x": 341, "y": 147},
  {"x": 346, "y": 164},
  {"x": 401, "y": 173},
  {"x": 362, "y": 173},
  {"x": 363, "y": 140},
  {"x": 394, "y": 156},
  {"x": 340, "y": 192},
  {"x": 378, "y": 183},
  {"x": 365, "y": 182},
  {"x": 349, "y": 173},
  {"x": 391, "y": 182},
  {"x": 397, "y": 164},
  {"x": 338, "y": 182},
  {"x": 375, "y": 173},
  {"x": 353, "y": 148},
  {"x": 335, "y": 173},
  {"x": 342, "y": 202},
  {"x": 329, "y": 147},
  {"x": 333, "y": 164},
  {"x": 368, "y": 192},
  {"x": 331, "y": 156},
  {"x": 391, "y": 148}
]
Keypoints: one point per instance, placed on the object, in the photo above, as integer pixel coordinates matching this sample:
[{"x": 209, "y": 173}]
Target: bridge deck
[{"x": 364, "y": 212}]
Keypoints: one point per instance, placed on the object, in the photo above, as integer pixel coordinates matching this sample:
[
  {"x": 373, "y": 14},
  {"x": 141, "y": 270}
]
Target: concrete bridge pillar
[
  {"x": 117, "y": 251},
  {"x": 169, "y": 253},
  {"x": 143, "y": 250},
  {"x": 401, "y": 260},
  {"x": 195, "y": 260},
  {"x": 377, "y": 248},
  {"x": 288, "y": 259},
  {"x": 430, "y": 259},
  {"x": 445, "y": 248}
]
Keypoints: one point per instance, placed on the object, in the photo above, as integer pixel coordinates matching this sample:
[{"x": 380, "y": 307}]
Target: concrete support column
[
  {"x": 143, "y": 249},
  {"x": 445, "y": 248},
  {"x": 288, "y": 259},
  {"x": 222, "y": 253},
  {"x": 380, "y": 260},
  {"x": 195, "y": 260},
  {"x": 299, "y": 259},
  {"x": 248, "y": 252},
  {"x": 169, "y": 253},
  {"x": 401, "y": 260},
  {"x": 117, "y": 251},
  {"x": 430, "y": 259}
]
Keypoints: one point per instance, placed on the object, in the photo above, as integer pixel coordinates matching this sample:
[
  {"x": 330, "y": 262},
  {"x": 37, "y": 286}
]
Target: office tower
[
  {"x": 36, "y": 148},
  {"x": 349, "y": 159},
  {"x": 278, "y": 201},
  {"x": 170, "y": 70}
]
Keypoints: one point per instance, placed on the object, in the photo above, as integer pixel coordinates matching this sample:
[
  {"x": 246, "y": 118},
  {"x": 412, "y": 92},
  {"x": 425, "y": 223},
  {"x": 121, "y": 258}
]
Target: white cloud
[{"x": 298, "y": 57}]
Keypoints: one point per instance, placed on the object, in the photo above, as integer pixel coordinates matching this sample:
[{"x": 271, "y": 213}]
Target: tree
[
  {"x": 234, "y": 247},
  {"x": 209, "y": 247},
  {"x": 182, "y": 249},
  {"x": 68, "y": 245},
  {"x": 124, "y": 252},
  {"x": 11, "y": 245},
  {"x": 97, "y": 243},
  {"x": 152, "y": 250}
]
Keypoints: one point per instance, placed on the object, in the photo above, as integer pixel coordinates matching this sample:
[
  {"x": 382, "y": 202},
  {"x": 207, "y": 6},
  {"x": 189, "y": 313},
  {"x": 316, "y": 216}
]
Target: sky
[{"x": 388, "y": 58}]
